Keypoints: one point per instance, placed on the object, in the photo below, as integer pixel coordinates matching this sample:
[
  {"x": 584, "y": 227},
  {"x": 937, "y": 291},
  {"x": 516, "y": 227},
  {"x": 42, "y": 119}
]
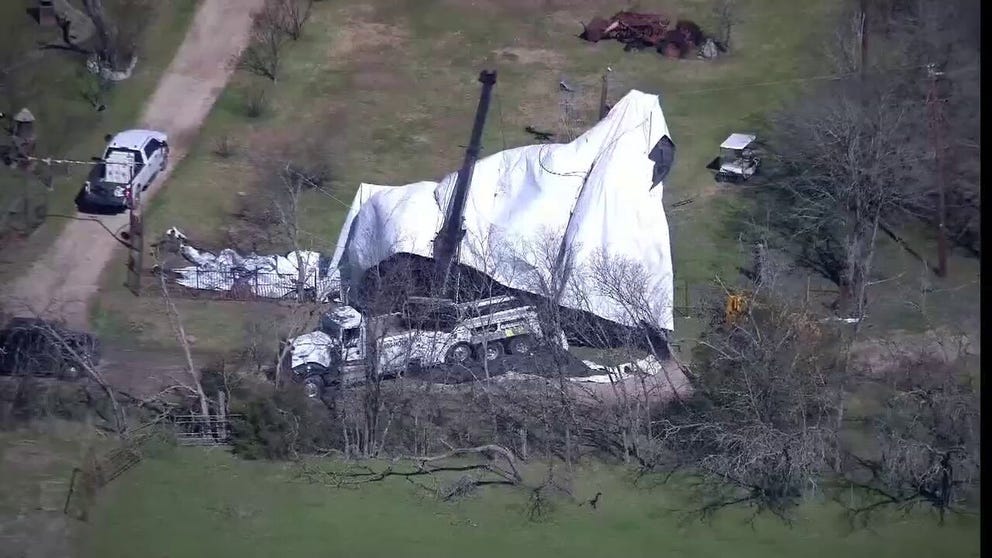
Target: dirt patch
[
  {"x": 541, "y": 56},
  {"x": 378, "y": 74},
  {"x": 354, "y": 35},
  {"x": 516, "y": 7},
  {"x": 878, "y": 356},
  {"x": 542, "y": 105},
  {"x": 27, "y": 455}
]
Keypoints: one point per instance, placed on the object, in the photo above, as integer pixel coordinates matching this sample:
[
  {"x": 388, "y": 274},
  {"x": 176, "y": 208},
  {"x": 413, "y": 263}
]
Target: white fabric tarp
[
  {"x": 266, "y": 276},
  {"x": 535, "y": 204}
]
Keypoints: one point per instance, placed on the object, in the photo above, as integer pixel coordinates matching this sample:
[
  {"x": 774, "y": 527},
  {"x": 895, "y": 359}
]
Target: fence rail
[
  {"x": 198, "y": 430},
  {"x": 241, "y": 285},
  {"x": 97, "y": 471}
]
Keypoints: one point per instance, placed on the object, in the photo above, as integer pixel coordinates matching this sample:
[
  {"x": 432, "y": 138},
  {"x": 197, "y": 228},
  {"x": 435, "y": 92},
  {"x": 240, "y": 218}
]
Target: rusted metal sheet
[
  {"x": 631, "y": 28},
  {"x": 643, "y": 30}
]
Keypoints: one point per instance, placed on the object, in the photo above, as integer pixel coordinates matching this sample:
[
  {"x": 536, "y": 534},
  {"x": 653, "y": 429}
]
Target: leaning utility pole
[
  {"x": 136, "y": 241},
  {"x": 603, "y": 107},
  {"x": 935, "y": 121},
  {"x": 449, "y": 238}
]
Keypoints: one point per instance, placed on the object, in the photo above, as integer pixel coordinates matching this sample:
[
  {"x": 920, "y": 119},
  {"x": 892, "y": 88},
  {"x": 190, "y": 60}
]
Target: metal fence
[
  {"x": 199, "y": 430},
  {"x": 97, "y": 471},
  {"x": 242, "y": 285}
]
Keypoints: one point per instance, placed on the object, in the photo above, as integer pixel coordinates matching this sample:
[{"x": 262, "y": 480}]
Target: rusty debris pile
[{"x": 638, "y": 31}]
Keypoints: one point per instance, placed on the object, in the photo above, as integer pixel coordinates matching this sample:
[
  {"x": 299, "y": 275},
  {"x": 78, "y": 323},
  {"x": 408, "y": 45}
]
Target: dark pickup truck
[{"x": 34, "y": 347}]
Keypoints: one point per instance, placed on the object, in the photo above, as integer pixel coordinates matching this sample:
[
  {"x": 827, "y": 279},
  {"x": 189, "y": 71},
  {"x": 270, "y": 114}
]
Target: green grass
[
  {"x": 385, "y": 93},
  {"x": 201, "y": 503},
  {"x": 36, "y": 463},
  {"x": 68, "y": 126}
]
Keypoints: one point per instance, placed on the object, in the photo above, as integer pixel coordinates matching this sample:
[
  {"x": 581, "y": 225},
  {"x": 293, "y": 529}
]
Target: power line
[
  {"x": 53, "y": 161},
  {"x": 821, "y": 77},
  {"x": 95, "y": 220},
  {"x": 332, "y": 196}
]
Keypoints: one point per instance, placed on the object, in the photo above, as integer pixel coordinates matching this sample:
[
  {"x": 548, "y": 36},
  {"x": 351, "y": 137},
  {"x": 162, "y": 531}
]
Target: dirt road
[{"x": 63, "y": 280}]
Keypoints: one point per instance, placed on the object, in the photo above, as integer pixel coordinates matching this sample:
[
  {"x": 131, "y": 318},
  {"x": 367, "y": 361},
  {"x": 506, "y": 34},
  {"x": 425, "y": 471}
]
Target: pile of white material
[
  {"x": 540, "y": 203},
  {"x": 648, "y": 365},
  {"x": 265, "y": 276}
]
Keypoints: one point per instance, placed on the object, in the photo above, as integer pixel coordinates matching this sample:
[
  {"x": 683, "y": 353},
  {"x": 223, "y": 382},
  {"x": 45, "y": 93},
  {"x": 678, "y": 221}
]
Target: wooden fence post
[{"x": 221, "y": 415}]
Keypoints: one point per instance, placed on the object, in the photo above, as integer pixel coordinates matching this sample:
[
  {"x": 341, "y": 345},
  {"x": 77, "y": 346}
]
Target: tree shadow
[{"x": 766, "y": 217}]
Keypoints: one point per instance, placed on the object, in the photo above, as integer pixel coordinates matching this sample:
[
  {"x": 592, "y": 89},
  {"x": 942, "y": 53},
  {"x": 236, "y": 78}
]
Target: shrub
[{"x": 280, "y": 425}]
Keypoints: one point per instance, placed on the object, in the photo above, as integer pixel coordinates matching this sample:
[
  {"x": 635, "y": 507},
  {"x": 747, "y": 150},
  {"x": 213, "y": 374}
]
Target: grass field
[
  {"x": 385, "y": 93},
  {"x": 36, "y": 463},
  {"x": 67, "y": 125},
  {"x": 201, "y": 503}
]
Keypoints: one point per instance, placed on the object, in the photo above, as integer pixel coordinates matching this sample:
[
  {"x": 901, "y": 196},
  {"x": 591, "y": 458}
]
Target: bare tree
[
  {"x": 283, "y": 200},
  {"x": 941, "y": 39},
  {"x": 291, "y": 15},
  {"x": 760, "y": 426},
  {"x": 848, "y": 164},
  {"x": 926, "y": 442},
  {"x": 844, "y": 47},
  {"x": 118, "y": 29},
  {"x": 194, "y": 373},
  {"x": 263, "y": 55},
  {"x": 725, "y": 12},
  {"x": 71, "y": 350}
]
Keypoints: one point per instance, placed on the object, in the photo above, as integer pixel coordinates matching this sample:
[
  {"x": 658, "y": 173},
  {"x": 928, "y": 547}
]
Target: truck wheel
[
  {"x": 492, "y": 351},
  {"x": 459, "y": 354},
  {"x": 520, "y": 345},
  {"x": 313, "y": 386}
]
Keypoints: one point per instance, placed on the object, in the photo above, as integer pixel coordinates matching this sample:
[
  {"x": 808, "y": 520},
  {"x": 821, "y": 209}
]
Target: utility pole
[
  {"x": 863, "y": 50},
  {"x": 603, "y": 108},
  {"x": 136, "y": 241},
  {"x": 24, "y": 139},
  {"x": 449, "y": 238},
  {"x": 935, "y": 121}
]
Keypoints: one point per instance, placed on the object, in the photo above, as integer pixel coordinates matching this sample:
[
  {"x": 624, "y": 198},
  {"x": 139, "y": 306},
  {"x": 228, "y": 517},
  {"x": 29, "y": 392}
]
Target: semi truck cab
[{"x": 426, "y": 332}]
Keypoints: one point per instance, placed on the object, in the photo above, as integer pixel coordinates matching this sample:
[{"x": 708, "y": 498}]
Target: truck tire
[
  {"x": 520, "y": 345},
  {"x": 490, "y": 352},
  {"x": 460, "y": 353},
  {"x": 313, "y": 386}
]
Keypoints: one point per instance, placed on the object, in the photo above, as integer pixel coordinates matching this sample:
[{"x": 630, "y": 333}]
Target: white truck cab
[{"x": 427, "y": 332}]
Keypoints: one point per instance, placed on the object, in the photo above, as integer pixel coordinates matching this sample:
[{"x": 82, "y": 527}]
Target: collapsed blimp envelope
[{"x": 597, "y": 196}]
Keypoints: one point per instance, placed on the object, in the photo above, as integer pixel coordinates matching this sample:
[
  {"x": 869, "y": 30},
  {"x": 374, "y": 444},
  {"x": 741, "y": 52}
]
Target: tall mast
[{"x": 449, "y": 238}]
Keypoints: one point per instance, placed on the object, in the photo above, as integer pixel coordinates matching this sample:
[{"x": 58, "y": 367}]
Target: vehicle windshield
[{"x": 349, "y": 337}]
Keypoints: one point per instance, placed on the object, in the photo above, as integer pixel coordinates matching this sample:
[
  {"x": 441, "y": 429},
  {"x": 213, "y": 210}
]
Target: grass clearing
[
  {"x": 386, "y": 92},
  {"x": 67, "y": 125},
  {"x": 208, "y": 503},
  {"x": 36, "y": 463}
]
